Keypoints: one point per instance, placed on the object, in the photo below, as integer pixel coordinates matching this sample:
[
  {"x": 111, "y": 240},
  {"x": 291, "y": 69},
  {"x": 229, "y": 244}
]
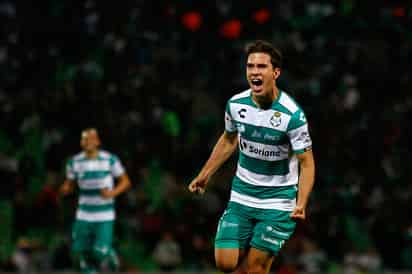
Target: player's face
[
  {"x": 260, "y": 74},
  {"x": 90, "y": 140}
]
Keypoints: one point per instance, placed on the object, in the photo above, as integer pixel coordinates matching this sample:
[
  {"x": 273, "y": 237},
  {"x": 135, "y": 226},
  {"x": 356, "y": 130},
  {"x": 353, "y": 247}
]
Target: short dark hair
[{"x": 266, "y": 47}]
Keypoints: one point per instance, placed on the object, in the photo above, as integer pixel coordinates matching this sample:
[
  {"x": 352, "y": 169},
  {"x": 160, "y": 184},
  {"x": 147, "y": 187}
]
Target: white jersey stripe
[
  {"x": 243, "y": 94},
  {"x": 106, "y": 182},
  {"x": 256, "y": 179},
  {"x": 251, "y": 115},
  {"x": 264, "y": 151},
  {"x": 300, "y": 137},
  {"x": 93, "y": 200},
  {"x": 279, "y": 204},
  {"x": 95, "y": 216},
  {"x": 288, "y": 103},
  {"x": 91, "y": 165}
]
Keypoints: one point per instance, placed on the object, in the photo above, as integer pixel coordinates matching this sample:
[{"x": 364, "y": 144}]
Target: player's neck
[
  {"x": 265, "y": 102},
  {"x": 92, "y": 154}
]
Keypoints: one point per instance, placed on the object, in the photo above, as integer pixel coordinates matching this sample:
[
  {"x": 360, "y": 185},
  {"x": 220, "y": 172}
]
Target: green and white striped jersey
[
  {"x": 269, "y": 139},
  {"x": 92, "y": 175}
]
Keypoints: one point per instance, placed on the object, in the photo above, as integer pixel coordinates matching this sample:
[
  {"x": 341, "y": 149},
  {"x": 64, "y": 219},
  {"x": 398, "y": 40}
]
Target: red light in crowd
[
  {"x": 192, "y": 20},
  {"x": 261, "y": 16},
  {"x": 399, "y": 12},
  {"x": 231, "y": 29}
]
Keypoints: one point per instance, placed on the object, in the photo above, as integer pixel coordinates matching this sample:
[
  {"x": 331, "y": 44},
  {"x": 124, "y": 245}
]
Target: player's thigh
[
  {"x": 81, "y": 237},
  {"x": 235, "y": 228},
  {"x": 234, "y": 232},
  {"x": 273, "y": 229},
  {"x": 103, "y": 236},
  {"x": 259, "y": 261}
]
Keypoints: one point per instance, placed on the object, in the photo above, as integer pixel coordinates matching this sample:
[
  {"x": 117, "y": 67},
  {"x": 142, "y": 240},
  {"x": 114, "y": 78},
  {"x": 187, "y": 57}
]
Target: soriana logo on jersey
[{"x": 261, "y": 151}]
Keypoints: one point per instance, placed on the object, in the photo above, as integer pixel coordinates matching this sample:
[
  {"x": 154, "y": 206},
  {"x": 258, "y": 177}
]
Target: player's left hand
[
  {"x": 298, "y": 213},
  {"x": 107, "y": 193}
]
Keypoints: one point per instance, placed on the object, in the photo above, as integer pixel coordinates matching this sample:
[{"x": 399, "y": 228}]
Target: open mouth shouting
[{"x": 256, "y": 85}]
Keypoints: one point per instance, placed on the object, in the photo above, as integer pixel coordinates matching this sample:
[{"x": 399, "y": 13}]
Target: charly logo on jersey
[
  {"x": 276, "y": 119},
  {"x": 242, "y": 112}
]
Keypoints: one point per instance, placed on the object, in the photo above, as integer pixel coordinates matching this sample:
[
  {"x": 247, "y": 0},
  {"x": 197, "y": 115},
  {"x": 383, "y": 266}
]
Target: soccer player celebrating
[
  {"x": 95, "y": 172},
  {"x": 275, "y": 166}
]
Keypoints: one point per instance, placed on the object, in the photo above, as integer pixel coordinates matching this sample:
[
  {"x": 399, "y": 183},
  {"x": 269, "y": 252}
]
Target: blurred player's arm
[
  {"x": 123, "y": 183},
  {"x": 223, "y": 149},
  {"x": 67, "y": 187},
  {"x": 306, "y": 182}
]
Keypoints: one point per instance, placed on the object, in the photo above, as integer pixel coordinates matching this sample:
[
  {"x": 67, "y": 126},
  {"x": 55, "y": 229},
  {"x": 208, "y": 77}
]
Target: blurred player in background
[
  {"x": 94, "y": 171},
  {"x": 275, "y": 165}
]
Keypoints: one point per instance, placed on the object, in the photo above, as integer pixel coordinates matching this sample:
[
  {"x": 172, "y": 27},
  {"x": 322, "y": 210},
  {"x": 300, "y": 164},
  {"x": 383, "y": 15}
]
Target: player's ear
[{"x": 276, "y": 73}]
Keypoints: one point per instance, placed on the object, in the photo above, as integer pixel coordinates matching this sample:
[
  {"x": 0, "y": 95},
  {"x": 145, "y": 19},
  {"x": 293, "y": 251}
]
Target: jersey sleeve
[
  {"x": 116, "y": 167},
  {"x": 229, "y": 122},
  {"x": 298, "y": 132},
  {"x": 70, "y": 174}
]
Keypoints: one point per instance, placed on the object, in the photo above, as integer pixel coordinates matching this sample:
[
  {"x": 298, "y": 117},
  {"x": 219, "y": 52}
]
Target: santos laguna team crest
[{"x": 276, "y": 120}]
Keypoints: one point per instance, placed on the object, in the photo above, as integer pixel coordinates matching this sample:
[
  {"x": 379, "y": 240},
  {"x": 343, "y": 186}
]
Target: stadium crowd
[{"x": 154, "y": 77}]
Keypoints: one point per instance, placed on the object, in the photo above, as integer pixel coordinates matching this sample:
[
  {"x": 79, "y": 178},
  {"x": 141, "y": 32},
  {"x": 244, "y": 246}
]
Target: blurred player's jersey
[
  {"x": 93, "y": 175},
  {"x": 269, "y": 139}
]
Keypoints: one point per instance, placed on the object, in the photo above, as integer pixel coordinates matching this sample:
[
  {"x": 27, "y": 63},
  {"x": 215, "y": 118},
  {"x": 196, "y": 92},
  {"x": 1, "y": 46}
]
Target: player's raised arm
[{"x": 223, "y": 149}]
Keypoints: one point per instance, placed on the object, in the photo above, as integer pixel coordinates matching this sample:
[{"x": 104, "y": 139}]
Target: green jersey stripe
[
  {"x": 94, "y": 200},
  {"x": 264, "y": 135},
  {"x": 96, "y": 208},
  {"x": 269, "y": 118},
  {"x": 93, "y": 175},
  {"x": 91, "y": 192}
]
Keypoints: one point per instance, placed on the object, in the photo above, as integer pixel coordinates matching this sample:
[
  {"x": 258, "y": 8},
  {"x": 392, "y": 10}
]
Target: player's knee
[
  {"x": 257, "y": 266},
  {"x": 256, "y": 269},
  {"x": 226, "y": 266},
  {"x": 227, "y": 260},
  {"x": 99, "y": 253}
]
